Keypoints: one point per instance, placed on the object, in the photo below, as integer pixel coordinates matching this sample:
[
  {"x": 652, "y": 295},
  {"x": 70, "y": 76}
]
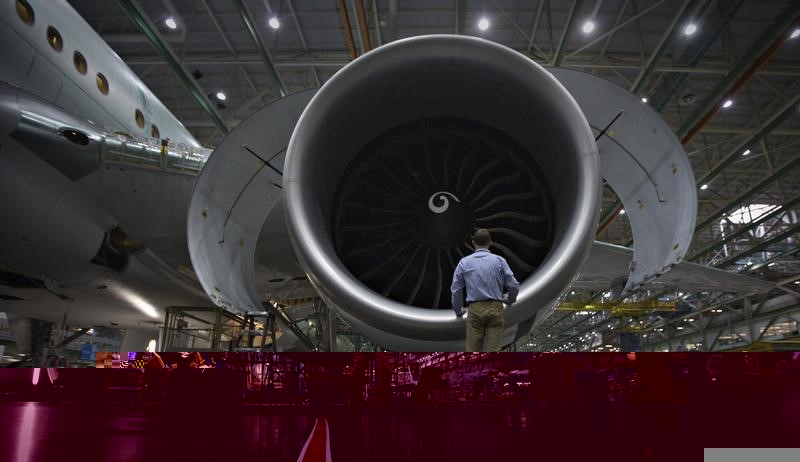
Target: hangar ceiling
[{"x": 745, "y": 155}]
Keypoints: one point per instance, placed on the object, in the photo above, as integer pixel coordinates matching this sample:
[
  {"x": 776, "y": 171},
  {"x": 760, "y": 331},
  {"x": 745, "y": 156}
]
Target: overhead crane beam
[
  {"x": 715, "y": 329},
  {"x": 580, "y": 321},
  {"x": 592, "y": 327},
  {"x": 753, "y": 60},
  {"x": 150, "y": 31},
  {"x": 348, "y": 29},
  {"x": 744, "y": 229},
  {"x": 785, "y": 112},
  {"x": 376, "y": 19},
  {"x": 761, "y": 246},
  {"x": 616, "y": 27},
  {"x": 768, "y": 261},
  {"x": 302, "y": 38},
  {"x": 542, "y": 329},
  {"x": 683, "y": 11},
  {"x": 228, "y": 45},
  {"x": 777, "y": 118},
  {"x": 562, "y": 44},
  {"x": 535, "y": 28},
  {"x": 779, "y": 173},
  {"x": 262, "y": 50},
  {"x": 758, "y": 55},
  {"x": 712, "y": 29},
  {"x": 361, "y": 23},
  {"x": 461, "y": 17}
]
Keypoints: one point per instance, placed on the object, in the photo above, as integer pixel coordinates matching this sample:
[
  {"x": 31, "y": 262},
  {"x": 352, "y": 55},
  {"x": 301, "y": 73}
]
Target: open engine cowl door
[
  {"x": 239, "y": 186},
  {"x": 645, "y": 164}
]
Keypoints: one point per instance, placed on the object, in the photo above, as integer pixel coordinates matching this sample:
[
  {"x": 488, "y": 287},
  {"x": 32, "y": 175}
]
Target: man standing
[{"x": 489, "y": 283}]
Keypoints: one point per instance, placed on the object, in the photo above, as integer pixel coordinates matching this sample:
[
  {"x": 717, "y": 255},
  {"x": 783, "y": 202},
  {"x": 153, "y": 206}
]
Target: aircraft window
[
  {"x": 25, "y": 12},
  {"x": 102, "y": 83},
  {"x": 80, "y": 62},
  {"x": 154, "y": 132},
  {"x": 139, "y": 119},
  {"x": 54, "y": 38}
]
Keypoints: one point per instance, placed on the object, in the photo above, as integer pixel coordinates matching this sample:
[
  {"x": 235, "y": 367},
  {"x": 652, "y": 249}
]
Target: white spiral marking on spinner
[{"x": 440, "y": 196}]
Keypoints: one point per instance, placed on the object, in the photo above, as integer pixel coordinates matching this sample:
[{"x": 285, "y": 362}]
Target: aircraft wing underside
[{"x": 609, "y": 264}]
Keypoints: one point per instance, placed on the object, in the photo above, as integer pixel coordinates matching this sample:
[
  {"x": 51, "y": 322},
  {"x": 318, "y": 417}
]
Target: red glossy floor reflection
[
  {"x": 672, "y": 408},
  {"x": 41, "y": 432},
  {"x": 38, "y": 432}
]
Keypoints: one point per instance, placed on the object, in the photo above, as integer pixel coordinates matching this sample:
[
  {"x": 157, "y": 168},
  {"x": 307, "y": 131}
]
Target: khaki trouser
[{"x": 485, "y": 319}]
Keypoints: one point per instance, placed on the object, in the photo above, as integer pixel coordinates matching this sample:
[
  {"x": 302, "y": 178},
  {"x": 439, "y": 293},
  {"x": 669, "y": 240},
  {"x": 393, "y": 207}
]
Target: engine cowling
[{"x": 410, "y": 147}]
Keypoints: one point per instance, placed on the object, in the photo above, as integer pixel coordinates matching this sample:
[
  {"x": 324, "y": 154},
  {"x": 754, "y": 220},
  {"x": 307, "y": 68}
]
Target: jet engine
[{"x": 391, "y": 166}]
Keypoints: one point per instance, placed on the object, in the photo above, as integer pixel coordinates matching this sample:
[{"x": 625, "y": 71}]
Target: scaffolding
[{"x": 216, "y": 329}]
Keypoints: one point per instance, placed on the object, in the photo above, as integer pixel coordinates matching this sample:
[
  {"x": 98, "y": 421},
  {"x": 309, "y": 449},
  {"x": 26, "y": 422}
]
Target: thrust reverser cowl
[{"x": 398, "y": 157}]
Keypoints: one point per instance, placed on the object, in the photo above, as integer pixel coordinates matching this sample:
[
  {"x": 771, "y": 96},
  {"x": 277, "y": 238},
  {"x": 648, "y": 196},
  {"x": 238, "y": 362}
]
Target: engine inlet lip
[{"x": 306, "y": 221}]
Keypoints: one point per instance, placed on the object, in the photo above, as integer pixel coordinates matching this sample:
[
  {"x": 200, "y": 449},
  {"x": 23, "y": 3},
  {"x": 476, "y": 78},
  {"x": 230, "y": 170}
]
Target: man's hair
[{"x": 481, "y": 238}]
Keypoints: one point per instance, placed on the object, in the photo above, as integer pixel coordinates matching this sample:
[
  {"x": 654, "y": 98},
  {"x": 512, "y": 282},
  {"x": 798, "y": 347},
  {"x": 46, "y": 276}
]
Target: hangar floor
[{"x": 37, "y": 431}]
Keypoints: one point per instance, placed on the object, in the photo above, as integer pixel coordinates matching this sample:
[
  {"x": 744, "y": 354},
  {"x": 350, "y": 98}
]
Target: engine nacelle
[
  {"x": 388, "y": 169},
  {"x": 410, "y": 147}
]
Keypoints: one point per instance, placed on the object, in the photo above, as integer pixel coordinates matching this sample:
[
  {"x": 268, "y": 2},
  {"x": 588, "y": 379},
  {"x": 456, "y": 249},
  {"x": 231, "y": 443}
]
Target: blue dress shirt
[{"x": 486, "y": 276}]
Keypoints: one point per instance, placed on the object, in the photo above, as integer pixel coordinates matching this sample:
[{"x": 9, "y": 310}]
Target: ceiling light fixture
[
  {"x": 274, "y": 23},
  {"x": 171, "y": 23},
  {"x": 483, "y": 24},
  {"x": 588, "y": 27},
  {"x": 690, "y": 29},
  {"x": 644, "y": 99},
  {"x": 221, "y": 96},
  {"x": 704, "y": 187},
  {"x": 622, "y": 212},
  {"x": 795, "y": 33},
  {"x": 746, "y": 152},
  {"x": 728, "y": 103}
]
